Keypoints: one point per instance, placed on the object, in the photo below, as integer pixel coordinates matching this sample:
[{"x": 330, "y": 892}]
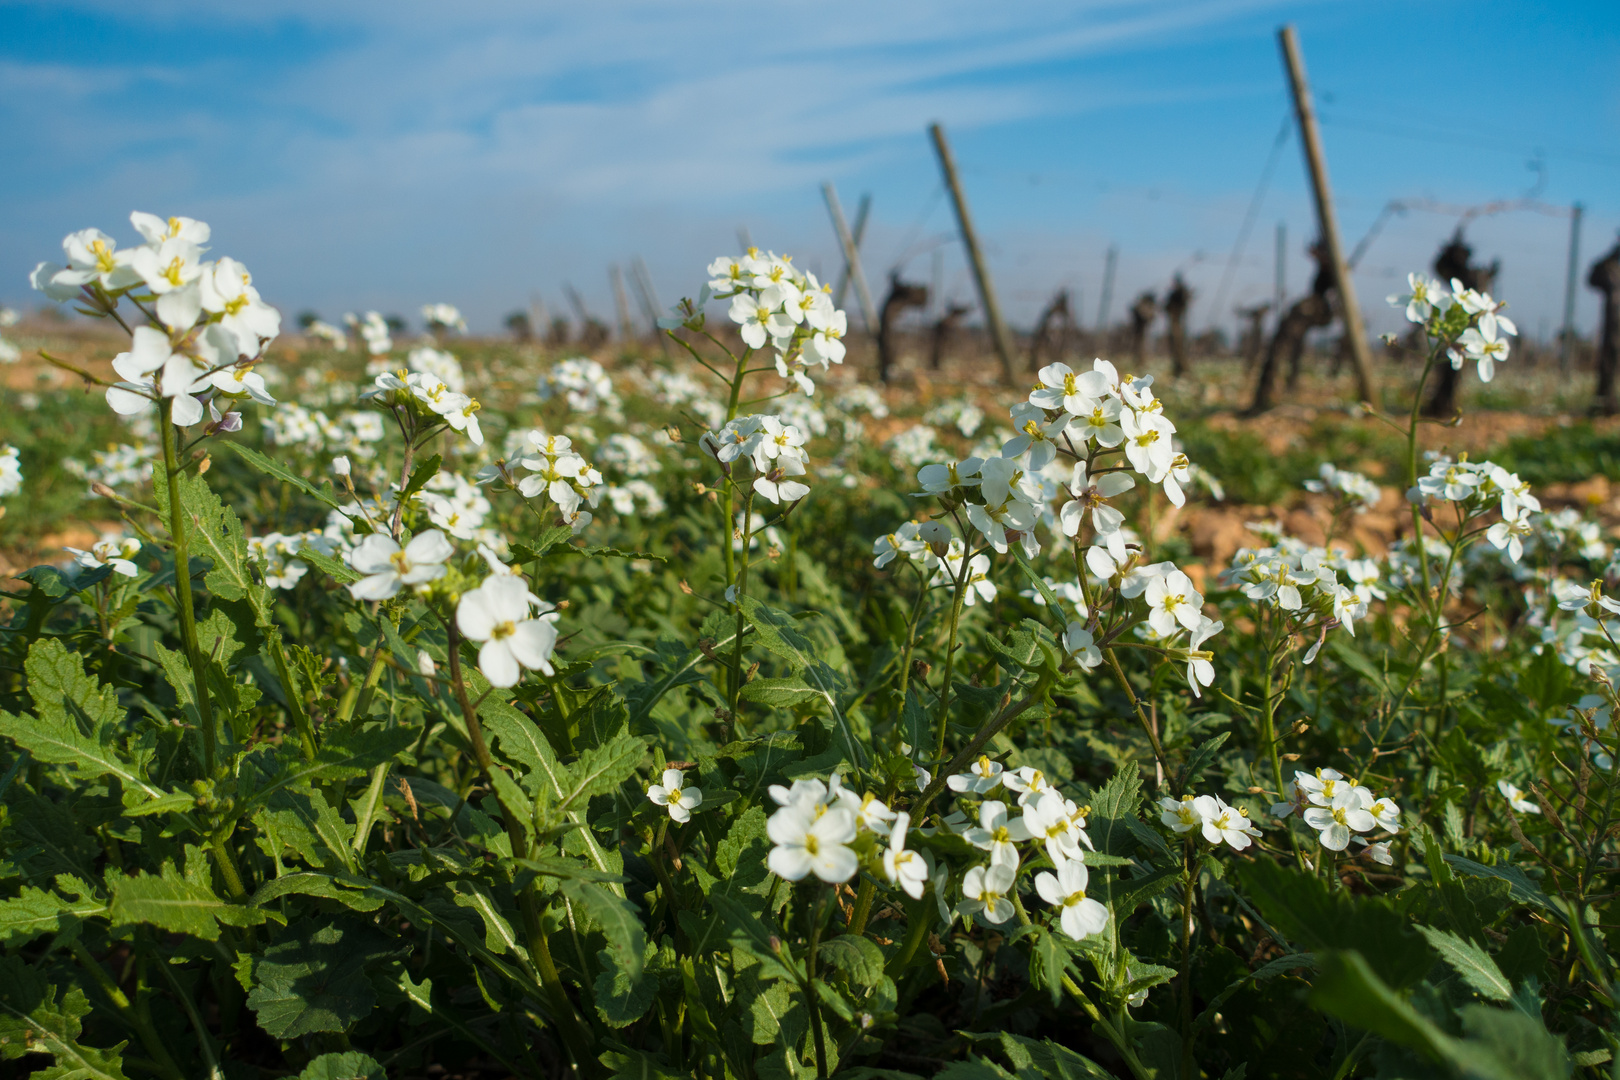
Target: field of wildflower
[{"x": 404, "y": 705}]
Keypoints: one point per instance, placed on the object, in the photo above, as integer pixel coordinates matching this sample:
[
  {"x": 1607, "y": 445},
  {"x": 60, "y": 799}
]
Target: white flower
[
  {"x": 1181, "y": 815},
  {"x": 1482, "y": 345},
  {"x": 1516, "y": 799},
  {"x": 1224, "y": 823},
  {"x": 1063, "y": 388},
  {"x": 1379, "y": 852},
  {"x": 1200, "y": 671},
  {"x": 901, "y": 544},
  {"x": 1057, "y": 823},
  {"x": 172, "y": 269},
  {"x": 1101, "y": 424},
  {"x": 227, "y": 290},
  {"x": 1387, "y": 814},
  {"x": 1422, "y": 297},
  {"x": 388, "y": 568},
  {"x": 758, "y": 321},
  {"x": 497, "y": 614},
  {"x": 940, "y": 478},
  {"x": 985, "y": 889},
  {"x": 982, "y": 776},
  {"x": 1079, "y": 643},
  {"x": 998, "y": 833},
  {"x": 1173, "y": 601},
  {"x": 870, "y": 811},
  {"x": 1028, "y": 782},
  {"x": 1344, "y": 813},
  {"x": 94, "y": 256},
  {"x": 904, "y": 867},
  {"x": 1509, "y": 533},
  {"x": 340, "y": 465},
  {"x": 113, "y": 552},
  {"x": 1092, "y": 493},
  {"x": 1147, "y": 443},
  {"x": 1066, "y": 889},
  {"x": 680, "y": 801},
  {"x": 807, "y": 843},
  {"x": 11, "y": 477}
]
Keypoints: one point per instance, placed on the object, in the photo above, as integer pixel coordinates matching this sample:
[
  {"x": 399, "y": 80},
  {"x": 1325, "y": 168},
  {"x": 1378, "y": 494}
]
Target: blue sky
[{"x": 379, "y": 155}]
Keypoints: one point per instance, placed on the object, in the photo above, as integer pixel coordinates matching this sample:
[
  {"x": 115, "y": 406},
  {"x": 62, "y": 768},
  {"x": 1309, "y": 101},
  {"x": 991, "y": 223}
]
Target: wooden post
[
  {"x": 858, "y": 232},
  {"x": 627, "y": 328},
  {"x": 1282, "y": 267},
  {"x": 641, "y": 282},
  {"x": 1110, "y": 262},
  {"x": 1567, "y": 336},
  {"x": 1354, "y": 329},
  {"x": 852, "y": 257},
  {"x": 970, "y": 240}
]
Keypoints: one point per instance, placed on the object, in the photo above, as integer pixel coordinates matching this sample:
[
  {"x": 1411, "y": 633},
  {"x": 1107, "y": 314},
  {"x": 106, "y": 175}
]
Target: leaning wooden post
[
  {"x": 1110, "y": 264},
  {"x": 857, "y": 232},
  {"x": 852, "y": 257},
  {"x": 627, "y": 328},
  {"x": 1566, "y": 337},
  {"x": 641, "y": 281},
  {"x": 981, "y": 273},
  {"x": 1354, "y": 329}
]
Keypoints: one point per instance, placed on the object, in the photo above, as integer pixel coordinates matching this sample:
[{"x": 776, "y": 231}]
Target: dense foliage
[{"x": 665, "y": 722}]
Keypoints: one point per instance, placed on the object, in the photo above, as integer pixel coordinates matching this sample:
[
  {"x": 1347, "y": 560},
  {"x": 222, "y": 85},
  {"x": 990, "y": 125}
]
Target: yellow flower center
[{"x": 505, "y": 630}]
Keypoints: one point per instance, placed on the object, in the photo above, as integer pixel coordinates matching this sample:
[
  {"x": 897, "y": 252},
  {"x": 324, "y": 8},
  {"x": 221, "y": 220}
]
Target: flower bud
[{"x": 340, "y": 465}]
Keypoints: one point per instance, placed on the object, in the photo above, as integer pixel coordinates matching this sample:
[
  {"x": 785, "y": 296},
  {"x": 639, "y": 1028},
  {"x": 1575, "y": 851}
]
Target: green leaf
[
  {"x": 316, "y": 980},
  {"x": 64, "y": 695},
  {"x": 603, "y": 768},
  {"x": 620, "y": 999},
  {"x": 777, "y": 632},
  {"x": 32, "y": 1021},
  {"x": 618, "y": 919},
  {"x": 1470, "y": 961},
  {"x": 329, "y": 566},
  {"x": 349, "y": 1065},
  {"x": 499, "y": 937},
  {"x": 1049, "y": 962},
  {"x": 751, "y": 935},
  {"x": 1112, "y": 810},
  {"x": 1048, "y": 1059},
  {"x": 181, "y": 904},
  {"x": 59, "y": 744},
  {"x": 1319, "y": 918},
  {"x": 35, "y": 912},
  {"x": 216, "y": 534},
  {"x": 857, "y": 957},
  {"x": 345, "y": 754},
  {"x": 271, "y": 467},
  {"x": 780, "y": 693},
  {"x": 1522, "y": 889},
  {"x": 420, "y": 476}
]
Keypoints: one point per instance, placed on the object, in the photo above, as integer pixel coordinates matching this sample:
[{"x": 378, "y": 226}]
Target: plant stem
[
  {"x": 975, "y": 744},
  {"x": 130, "y": 1015},
  {"x": 182, "y": 577},
  {"x": 810, "y": 985},
  {"x": 1141, "y": 716},
  {"x": 295, "y": 703},
  {"x": 1187, "y": 878},
  {"x": 950, "y": 658},
  {"x": 863, "y": 907}
]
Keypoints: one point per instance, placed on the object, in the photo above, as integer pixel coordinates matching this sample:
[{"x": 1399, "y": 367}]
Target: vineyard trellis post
[
  {"x": 621, "y": 301},
  {"x": 1327, "y": 218},
  {"x": 1282, "y": 268},
  {"x": 857, "y": 233},
  {"x": 1567, "y": 336},
  {"x": 970, "y": 240},
  {"x": 852, "y": 257},
  {"x": 1110, "y": 263}
]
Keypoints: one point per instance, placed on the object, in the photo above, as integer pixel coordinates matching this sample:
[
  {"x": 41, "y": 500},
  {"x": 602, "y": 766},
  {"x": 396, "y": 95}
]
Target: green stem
[
  {"x": 975, "y": 744},
  {"x": 863, "y": 907},
  {"x": 130, "y": 1015},
  {"x": 214, "y": 1071},
  {"x": 950, "y": 658},
  {"x": 1187, "y": 1057},
  {"x": 810, "y": 986},
  {"x": 916, "y": 930},
  {"x": 295, "y": 701},
  {"x": 1141, "y": 715},
  {"x": 182, "y": 578}
]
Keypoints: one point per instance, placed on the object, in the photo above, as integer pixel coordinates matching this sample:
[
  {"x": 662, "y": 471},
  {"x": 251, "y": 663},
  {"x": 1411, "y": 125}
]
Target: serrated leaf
[
  {"x": 499, "y": 937},
  {"x": 780, "y": 693},
  {"x": 1112, "y": 810},
  {"x": 316, "y": 980},
  {"x": 618, "y": 920},
  {"x": 1523, "y": 889},
  {"x": 349, "y": 1065},
  {"x": 857, "y": 957},
  {"x": 420, "y": 475},
  {"x": 603, "y": 768},
  {"x": 170, "y": 901},
  {"x": 1470, "y": 961},
  {"x": 620, "y": 999},
  {"x": 32, "y": 1021},
  {"x": 34, "y": 912},
  {"x": 63, "y": 692},
  {"x": 57, "y": 744},
  {"x": 332, "y": 568},
  {"x": 271, "y": 467},
  {"x": 343, "y": 755}
]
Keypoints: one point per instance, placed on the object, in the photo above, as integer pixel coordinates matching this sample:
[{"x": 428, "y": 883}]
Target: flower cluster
[
  {"x": 9, "y": 353},
  {"x": 1301, "y": 583},
  {"x": 775, "y": 305},
  {"x": 514, "y": 628},
  {"x": 1341, "y": 811},
  {"x": 775, "y": 449},
  {"x": 373, "y": 330},
  {"x": 1472, "y": 317},
  {"x": 1352, "y": 489},
  {"x": 1474, "y": 488},
  {"x": 207, "y": 327},
  {"x": 584, "y": 385},
  {"x": 428, "y": 400},
  {"x": 438, "y": 363},
  {"x": 1214, "y": 819},
  {"x": 558, "y": 470},
  {"x": 442, "y": 317}
]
